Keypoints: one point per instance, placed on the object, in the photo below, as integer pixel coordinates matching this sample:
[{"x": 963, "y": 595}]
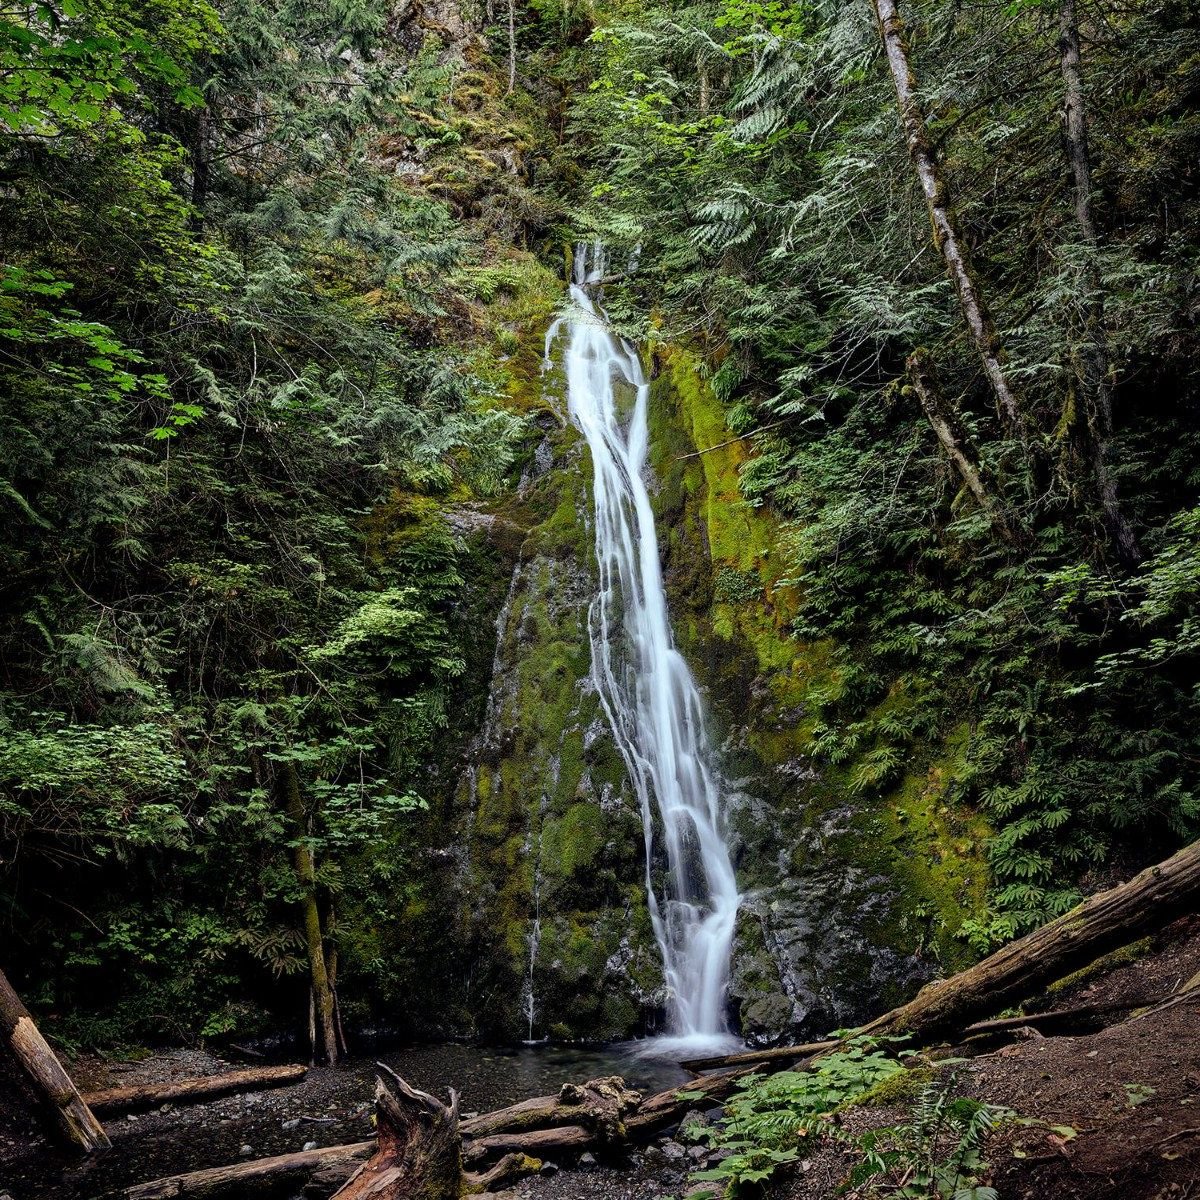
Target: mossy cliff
[
  {"x": 856, "y": 877},
  {"x": 533, "y": 915}
]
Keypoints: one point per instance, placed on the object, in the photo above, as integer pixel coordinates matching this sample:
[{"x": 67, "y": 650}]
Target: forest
[{"x": 636, "y": 562}]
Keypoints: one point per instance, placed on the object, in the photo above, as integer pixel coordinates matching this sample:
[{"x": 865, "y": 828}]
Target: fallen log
[
  {"x": 74, "y": 1121},
  {"x": 284, "y": 1171},
  {"x": 599, "y": 1105},
  {"x": 418, "y": 1156},
  {"x": 766, "y": 1055},
  {"x": 1103, "y": 922},
  {"x": 532, "y": 1143},
  {"x": 1055, "y": 1020},
  {"x": 665, "y": 1108},
  {"x": 150, "y": 1095}
]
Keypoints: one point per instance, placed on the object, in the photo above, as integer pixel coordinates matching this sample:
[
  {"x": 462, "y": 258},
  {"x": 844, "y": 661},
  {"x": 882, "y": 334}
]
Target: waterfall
[{"x": 648, "y": 693}]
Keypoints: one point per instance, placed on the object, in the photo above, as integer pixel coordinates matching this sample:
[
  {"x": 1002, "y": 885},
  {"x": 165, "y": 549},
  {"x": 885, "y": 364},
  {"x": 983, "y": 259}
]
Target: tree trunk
[
  {"x": 126, "y": 1099},
  {"x": 313, "y": 934},
  {"x": 1103, "y": 922},
  {"x": 946, "y": 236},
  {"x": 512, "y": 47},
  {"x": 955, "y": 440},
  {"x": 75, "y": 1122},
  {"x": 1095, "y": 373},
  {"x": 418, "y": 1154}
]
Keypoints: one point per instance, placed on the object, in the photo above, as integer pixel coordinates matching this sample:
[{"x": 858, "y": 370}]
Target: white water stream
[{"x": 648, "y": 693}]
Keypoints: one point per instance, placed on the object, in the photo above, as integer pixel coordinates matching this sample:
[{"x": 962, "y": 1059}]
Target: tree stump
[{"x": 418, "y": 1157}]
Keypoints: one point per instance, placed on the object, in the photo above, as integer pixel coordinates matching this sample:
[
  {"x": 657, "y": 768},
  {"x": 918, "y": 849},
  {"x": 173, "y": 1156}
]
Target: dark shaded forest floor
[{"x": 1131, "y": 1091}]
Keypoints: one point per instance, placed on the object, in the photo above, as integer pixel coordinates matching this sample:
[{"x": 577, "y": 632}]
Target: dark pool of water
[
  {"x": 332, "y": 1105},
  {"x": 489, "y": 1078}
]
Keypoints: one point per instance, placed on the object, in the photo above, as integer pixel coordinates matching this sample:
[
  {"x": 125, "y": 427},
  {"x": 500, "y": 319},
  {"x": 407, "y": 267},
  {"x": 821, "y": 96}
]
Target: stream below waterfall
[{"x": 333, "y": 1105}]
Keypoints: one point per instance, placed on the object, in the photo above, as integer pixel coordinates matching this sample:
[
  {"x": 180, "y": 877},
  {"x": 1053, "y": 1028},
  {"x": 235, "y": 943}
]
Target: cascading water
[{"x": 648, "y": 693}]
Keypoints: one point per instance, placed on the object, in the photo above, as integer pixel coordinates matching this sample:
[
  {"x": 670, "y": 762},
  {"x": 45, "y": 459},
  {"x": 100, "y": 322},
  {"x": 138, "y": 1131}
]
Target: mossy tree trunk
[
  {"x": 942, "y": 215},
  {"x": 325, "y": 1038}
]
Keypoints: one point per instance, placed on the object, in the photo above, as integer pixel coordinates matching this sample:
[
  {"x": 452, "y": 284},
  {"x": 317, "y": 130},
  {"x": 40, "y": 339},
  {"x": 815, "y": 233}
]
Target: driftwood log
[
  {"x": 284, "y": 1172},
  {"x": 128, "y": 1099},
  {"x": 74, "y": 1121}
]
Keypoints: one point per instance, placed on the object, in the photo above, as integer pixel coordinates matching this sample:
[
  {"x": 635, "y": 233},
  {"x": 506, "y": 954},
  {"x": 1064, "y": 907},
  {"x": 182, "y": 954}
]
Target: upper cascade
[{"x": 645, "y": 686}]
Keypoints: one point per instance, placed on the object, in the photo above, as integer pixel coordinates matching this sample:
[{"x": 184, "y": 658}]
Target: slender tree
[
  {"x": 946, "y": 235},
  {"x": 1096, "y": 380},
  {"x": 325, "y": 1039},
  {"x": 955, "y": 441}
]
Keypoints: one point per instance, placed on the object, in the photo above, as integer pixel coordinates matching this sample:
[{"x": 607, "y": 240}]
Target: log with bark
[
  {"x": 74, "y": 1121},
  {"x": 150, "y": 1095},
  {"x": 283, "y": 1172}
]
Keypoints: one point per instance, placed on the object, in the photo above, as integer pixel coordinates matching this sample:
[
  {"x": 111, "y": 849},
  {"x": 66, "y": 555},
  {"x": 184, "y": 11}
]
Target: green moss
[
  {"x": 1101, "y": 966},
  {"x": 897, "y": 1089}
]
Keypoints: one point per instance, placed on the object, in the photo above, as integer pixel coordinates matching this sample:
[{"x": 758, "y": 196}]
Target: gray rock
[
  {"x": 246, "y": 1151},
  {"x": 549, "y": 1168},
  {"x": 292, "y": 1124},
  {"x": 585, "y": 1160},
  {"x": 310, "y": 1145},
  {"x": 698, "y": 1153},
  {"x": 673, "y": 1151}
]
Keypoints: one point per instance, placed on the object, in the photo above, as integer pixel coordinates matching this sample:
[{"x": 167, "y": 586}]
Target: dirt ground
[{"x": 1131, "y": 1091}]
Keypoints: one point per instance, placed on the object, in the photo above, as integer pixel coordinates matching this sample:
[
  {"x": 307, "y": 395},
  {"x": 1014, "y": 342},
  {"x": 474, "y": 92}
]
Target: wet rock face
[
  {"x": 851, "y": 895},
  {"x": 549, "y": 884}
]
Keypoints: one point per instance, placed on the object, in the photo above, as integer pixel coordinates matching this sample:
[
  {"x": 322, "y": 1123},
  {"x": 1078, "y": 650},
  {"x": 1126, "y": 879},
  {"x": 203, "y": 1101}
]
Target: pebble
[
  {"x": 131, "y": 1117},
  {"x": 585, "y": 1160},
  {"x": 699, "y": 1153},
  {"x": 549, "y": 1168},
  {"x": 310, "y": 1145},
  {"x": 292, "y": 1123},
  {"x": 246, "y": 1151},
  {"x": 673, "y": 1150}
]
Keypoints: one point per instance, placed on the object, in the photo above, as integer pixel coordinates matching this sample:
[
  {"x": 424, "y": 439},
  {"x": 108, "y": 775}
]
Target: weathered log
[
  {"x": 600, "y": 1105},
  {"x": 665, "y": 1108},
  {"x": 1055, "y": 1020},
  {"x": 418, "y": 1156},
  {"x": 1103, "y": 922},
  {"x": 766, "y": 1055},
  {"x": 150, "y": 1095},
  {"x": 284, "y": 1171},
  {"x": 74, "y": 1121},
  {"x": 533, "y": 1142},
  {"x": 508, "y": 1170}
]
